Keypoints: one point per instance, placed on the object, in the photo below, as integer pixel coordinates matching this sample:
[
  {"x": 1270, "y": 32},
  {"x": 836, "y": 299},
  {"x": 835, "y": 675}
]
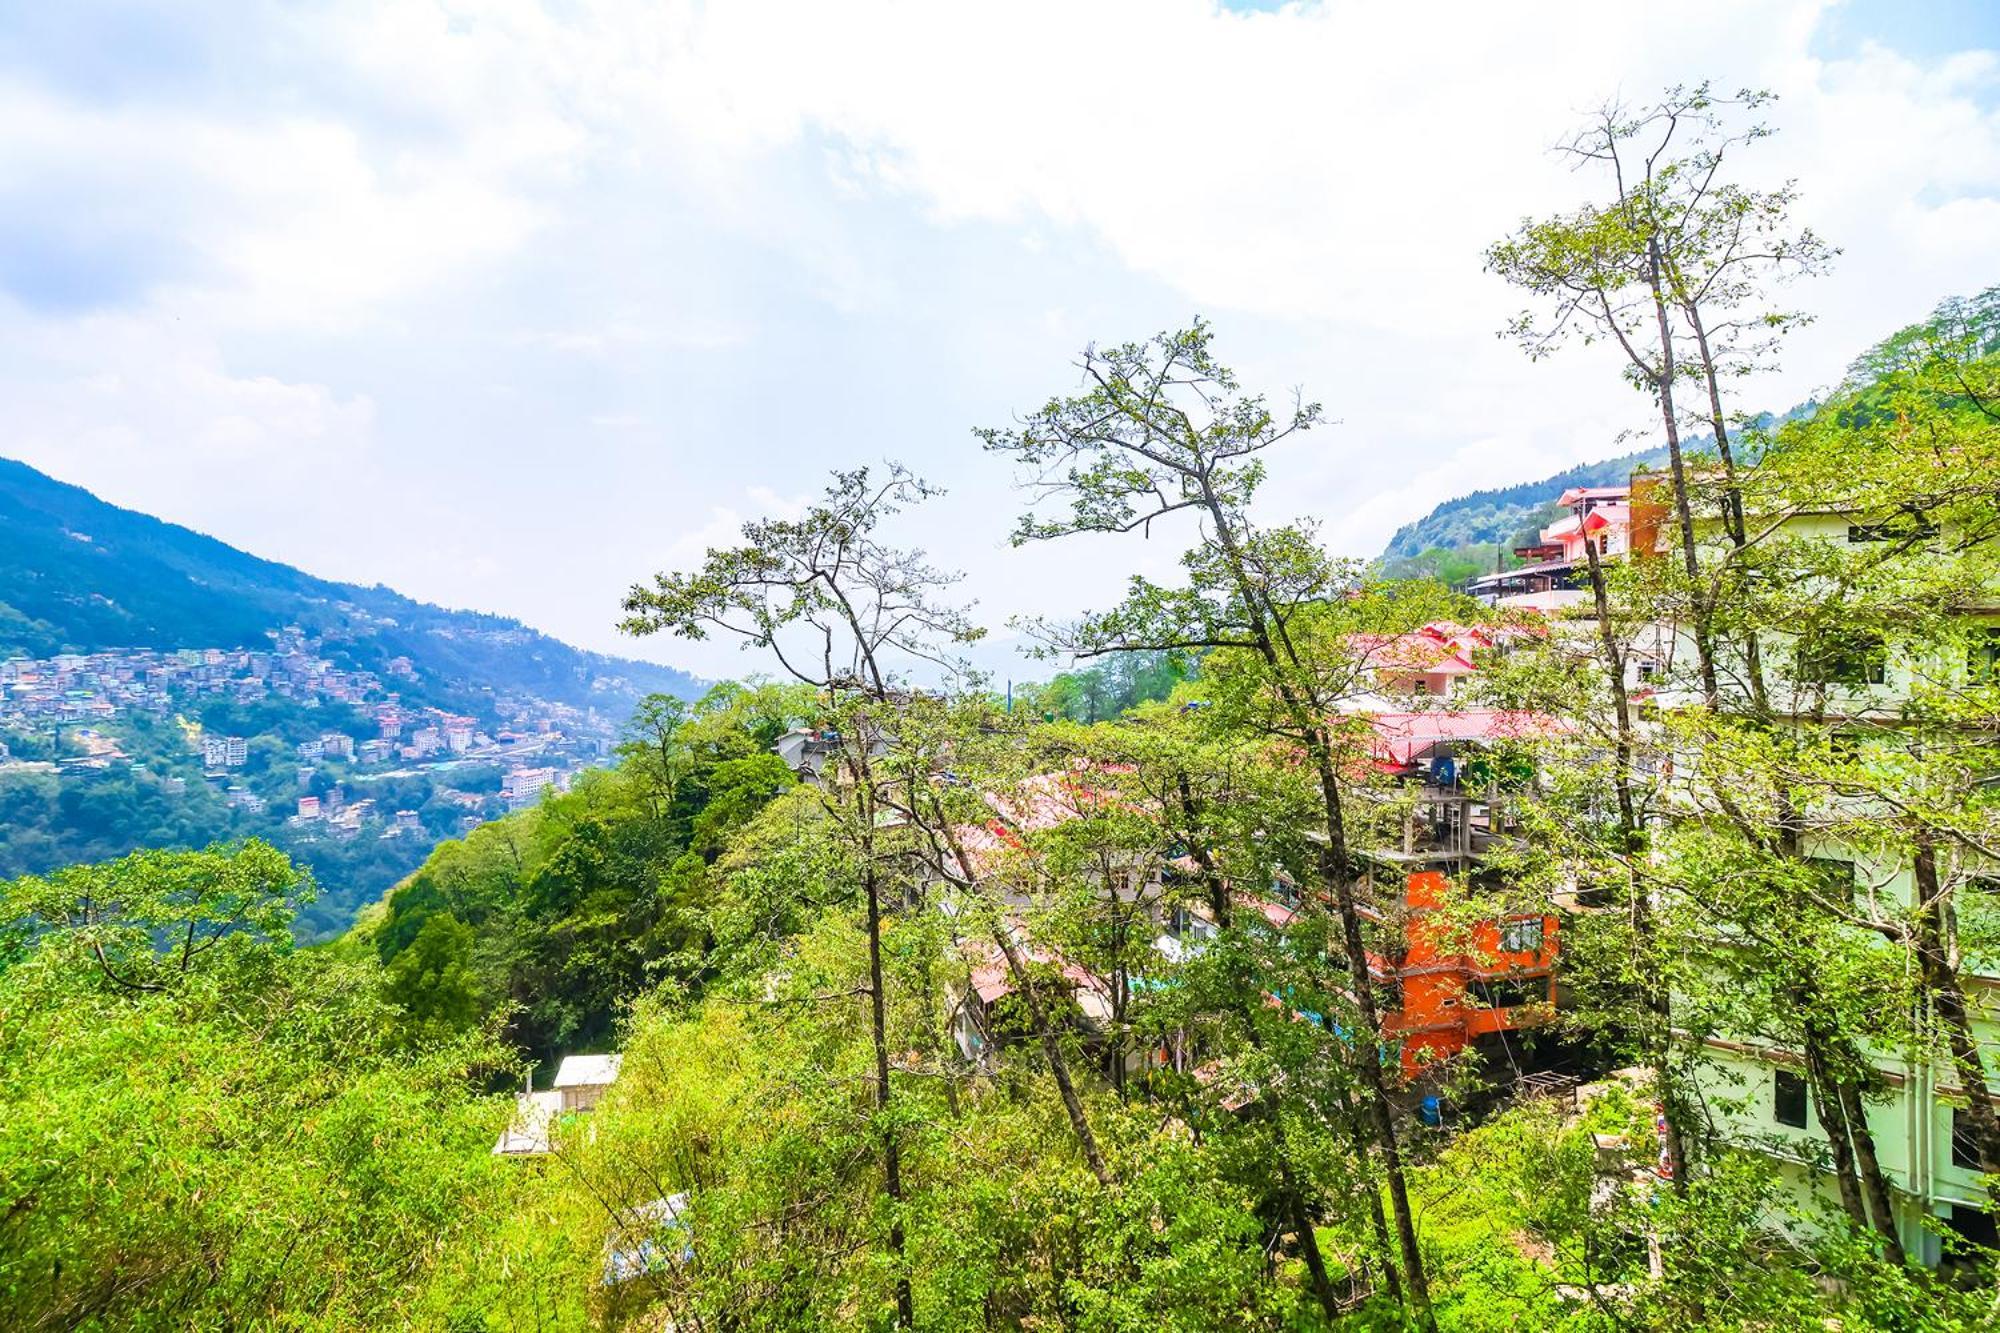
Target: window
[
  {"x": 1510, "y": 994},
  {"x": 1901, "y": 528},
  {"x": 1649, "y": 670},
  {"x": 1521, "y": 937},
  {"x": 1835, "y": 877},
  {"x": 1852, "y": 658},
  {"x": 1983, "y": 658},
  {"x": 1964, "y": 1143},
  {"x": 1789, "y": 1099}
]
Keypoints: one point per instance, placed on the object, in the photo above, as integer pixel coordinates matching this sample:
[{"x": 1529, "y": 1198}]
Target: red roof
[
  {"x": 1576, "y": 495},
  {"x": 1401, "y": 737},
  {"x": 1431, "y": 650},
  {"x": 1277, "y": 914},
  {"x": 994, "y": 979}
]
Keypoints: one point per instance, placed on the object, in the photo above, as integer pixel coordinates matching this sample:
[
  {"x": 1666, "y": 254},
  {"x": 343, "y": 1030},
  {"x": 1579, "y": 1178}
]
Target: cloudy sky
[{"x": 507, "y": 304}]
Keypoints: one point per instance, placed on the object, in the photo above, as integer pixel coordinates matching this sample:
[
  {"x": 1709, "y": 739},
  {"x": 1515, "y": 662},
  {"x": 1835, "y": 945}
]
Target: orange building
[
  {"x": 1456, "y": 983},
  {"x": 1462, "y": 977}
]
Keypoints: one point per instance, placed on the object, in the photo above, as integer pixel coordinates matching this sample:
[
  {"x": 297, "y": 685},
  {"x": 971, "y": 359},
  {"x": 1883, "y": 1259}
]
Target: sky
[{"x": 508, "y": 305}]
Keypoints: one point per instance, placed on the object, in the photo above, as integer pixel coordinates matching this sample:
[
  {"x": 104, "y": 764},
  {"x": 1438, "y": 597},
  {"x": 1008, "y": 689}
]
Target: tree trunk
[
  {"x": 1335, "y": 875},
  {"x": 1302, "y": 1227},
  {"x": 1037, "y": 1014},
  {"x": 1656, "y": 1000},
  {"x": 1052, "y": 1051},
  {"x": 1948, "y": 1002},
  {"x": 1874, "y": 1183},
  {"x": 892, "y": 1157},
  {"x": 1732, "y": 494},
  {"x": 1378, "y": 1222},
  {"x": 1663, "y": 385},
  {"x": 1309, "y": 722},
  {"x": 1833, "y": 1123}
]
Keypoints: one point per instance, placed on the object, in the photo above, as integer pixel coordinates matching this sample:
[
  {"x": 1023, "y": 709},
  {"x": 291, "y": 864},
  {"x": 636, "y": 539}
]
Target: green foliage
[
  {"x": 433, "y": 980},
  {"x": 222, "y": 1133},
  {"x": 567, "y": 911},
  {"x": 1121, "y": 682}
]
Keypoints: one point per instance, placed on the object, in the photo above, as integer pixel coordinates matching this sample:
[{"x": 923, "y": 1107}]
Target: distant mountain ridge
[
  {"x": 1498, "y": 517},
  {"x": 1491, "y": 517},
  {"x": 78, "y": 574}
]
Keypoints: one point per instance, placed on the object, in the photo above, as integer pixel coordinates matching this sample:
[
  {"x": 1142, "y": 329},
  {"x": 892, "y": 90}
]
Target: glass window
[
  {"x": 1835, "y": 876},
  {"x": 1964, "y": 1143},
  {"x": 1851, "y": 658},
  {"x": 1900, "y": 528},
  {"x": 1509, "y": 994},
  {"x": 1521, "y": 937},
  {"x": 1984, "y": 654},
  {"x": 1789, "y": 1106}
]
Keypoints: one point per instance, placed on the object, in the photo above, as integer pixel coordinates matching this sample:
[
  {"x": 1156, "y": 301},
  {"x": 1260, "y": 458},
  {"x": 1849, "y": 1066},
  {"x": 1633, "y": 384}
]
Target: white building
[{"x": 584, "y": 1079}]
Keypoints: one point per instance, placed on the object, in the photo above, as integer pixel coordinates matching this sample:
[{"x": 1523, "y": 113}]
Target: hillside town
[
  {"x": 1233, "y": 666},
  {"x": 71, "y": 703}
]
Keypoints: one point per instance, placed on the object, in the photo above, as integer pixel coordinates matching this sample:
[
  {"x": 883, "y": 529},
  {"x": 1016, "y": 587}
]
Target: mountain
[
  {"x": 1491, "y": 518},
  {"x": 1499, "y": 517},
  {"x": 80, "y": 575}
]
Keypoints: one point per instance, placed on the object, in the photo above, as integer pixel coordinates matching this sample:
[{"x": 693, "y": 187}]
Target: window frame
[
  {"x": 1852, "y": 661},
  {"x": 1514, "y": 929},
  {"x": 1788, "y": 1089},
  {"x": 1899, "y": 527},
  {"x": 1964, "y": 1147},
  {"x": 1838, "y": 874}
]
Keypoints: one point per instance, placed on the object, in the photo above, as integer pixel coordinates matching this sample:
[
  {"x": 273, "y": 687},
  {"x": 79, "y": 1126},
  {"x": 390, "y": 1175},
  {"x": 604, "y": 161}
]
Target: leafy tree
[
  {"x": 433, "y": 980},
  {"x": 841, "y": 611},
  {"x": 1162, "y": 428},
  {"x": 201, "y": 1127}
]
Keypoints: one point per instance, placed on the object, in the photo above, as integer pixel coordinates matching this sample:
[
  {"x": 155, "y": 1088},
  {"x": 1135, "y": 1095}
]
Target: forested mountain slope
[
  {"x": 80, "y": 575},
  {"x": 1488, "y": 518}
]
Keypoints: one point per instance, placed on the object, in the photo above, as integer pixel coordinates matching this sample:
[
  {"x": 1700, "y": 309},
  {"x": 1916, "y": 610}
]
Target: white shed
[{"x": 583, "y": 1079}]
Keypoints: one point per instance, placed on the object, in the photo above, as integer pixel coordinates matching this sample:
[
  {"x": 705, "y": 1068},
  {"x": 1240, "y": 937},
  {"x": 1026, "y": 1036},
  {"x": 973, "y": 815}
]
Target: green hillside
[
  {"x": 1501, "y": 519},
  {"x": 1494, "y": 517},
  {"x": 80, "y": 575}
]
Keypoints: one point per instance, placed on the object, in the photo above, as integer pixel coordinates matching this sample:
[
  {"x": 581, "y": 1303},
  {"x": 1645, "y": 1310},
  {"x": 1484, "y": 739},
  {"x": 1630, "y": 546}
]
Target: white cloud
[{"x": 619, "y": 263}]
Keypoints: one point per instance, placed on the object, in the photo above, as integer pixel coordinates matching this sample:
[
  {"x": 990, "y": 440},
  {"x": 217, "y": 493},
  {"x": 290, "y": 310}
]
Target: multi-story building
[
  {"x": 522, "y": 787},
  {"x": 1466, "y": 968},
  {"x": 1554, "y": 575},
  {"x": 219, "y": 752},
  {"x": 1752, "y": 1083}
]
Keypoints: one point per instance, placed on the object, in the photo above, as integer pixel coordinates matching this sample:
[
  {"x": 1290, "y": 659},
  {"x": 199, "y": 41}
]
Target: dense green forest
[{"x": 1087, "y": 1005}]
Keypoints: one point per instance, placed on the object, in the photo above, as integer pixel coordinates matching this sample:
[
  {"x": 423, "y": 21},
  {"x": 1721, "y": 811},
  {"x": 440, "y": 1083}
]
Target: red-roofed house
[{"x": 1555, "y": 575}]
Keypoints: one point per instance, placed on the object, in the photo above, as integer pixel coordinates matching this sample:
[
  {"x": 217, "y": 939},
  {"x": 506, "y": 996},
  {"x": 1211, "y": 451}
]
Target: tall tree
[
  {"x": 1161, "y": 429},
  {"x": 840, "y": 610}
]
